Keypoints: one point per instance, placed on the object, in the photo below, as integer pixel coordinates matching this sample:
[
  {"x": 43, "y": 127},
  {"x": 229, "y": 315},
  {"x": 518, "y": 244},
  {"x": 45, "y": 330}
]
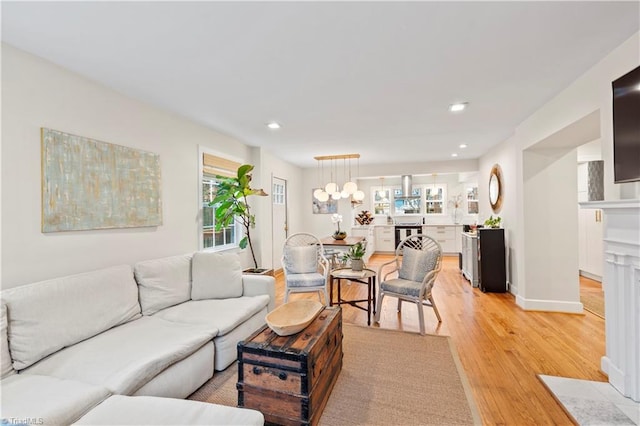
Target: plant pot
[
  {"x": 357, "y": 264},
  {"x": 339, "y": 235}
]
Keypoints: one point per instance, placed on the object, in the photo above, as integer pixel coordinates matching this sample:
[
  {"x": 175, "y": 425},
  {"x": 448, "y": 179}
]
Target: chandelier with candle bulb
[{"x": 332, "y": 189}]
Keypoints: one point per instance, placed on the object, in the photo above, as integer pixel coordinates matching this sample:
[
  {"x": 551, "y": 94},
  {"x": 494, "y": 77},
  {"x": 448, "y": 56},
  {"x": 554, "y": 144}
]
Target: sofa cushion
[
  {"x": 216, "y": 276},
  {"x": 5, "y": 356},
  {"x": 227, "y": 345},
  {"x": 126, "y": 357},
  {"x": 163, "y": 282},
  {"x": 182, "y": 378},
  {"x": 50, "y": 315},
  {"x": 417, "y": 263},
  {"x": 47, "y": 400},
  {"x": 222, "y": 315},
  {"x": 148, "y": 410},
  {"x": 301, "y": 260}
]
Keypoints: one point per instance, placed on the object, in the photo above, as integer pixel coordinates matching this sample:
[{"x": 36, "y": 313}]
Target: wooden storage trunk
[{"x": 289, "y": 379}]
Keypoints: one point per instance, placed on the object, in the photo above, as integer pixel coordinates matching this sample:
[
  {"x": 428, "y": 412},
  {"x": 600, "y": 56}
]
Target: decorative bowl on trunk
[{"x": 293, "y": 317}]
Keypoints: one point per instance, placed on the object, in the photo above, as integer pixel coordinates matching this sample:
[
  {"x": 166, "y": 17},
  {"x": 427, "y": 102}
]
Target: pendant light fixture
[
  {"x": 381, "y": 192},
  {"x": 319, "y": 193},
  {"x": 332, "y": 189},
  {"x": 359, "y": 194}
]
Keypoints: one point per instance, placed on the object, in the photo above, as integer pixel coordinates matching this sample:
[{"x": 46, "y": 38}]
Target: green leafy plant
[
  {"x": 231, "y": 204},
  {"x": 356, "y": 252},
  {"x": 493, "y": 222}
]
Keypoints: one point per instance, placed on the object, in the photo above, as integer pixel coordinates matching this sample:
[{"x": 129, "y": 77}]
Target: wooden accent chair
[{"x": 418, "y": 261}]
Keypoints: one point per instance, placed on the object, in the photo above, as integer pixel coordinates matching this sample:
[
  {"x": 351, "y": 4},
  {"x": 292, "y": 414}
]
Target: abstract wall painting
[
  {"x": 88, "y": 184},
  {"x": 323, "y": 207}
]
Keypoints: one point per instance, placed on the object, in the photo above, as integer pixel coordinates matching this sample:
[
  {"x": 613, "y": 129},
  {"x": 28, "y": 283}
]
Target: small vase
[
  {"x": 357, "y": 264},
  {"x": 456, "y": 216},
  {"x": 339, "y": 235}
]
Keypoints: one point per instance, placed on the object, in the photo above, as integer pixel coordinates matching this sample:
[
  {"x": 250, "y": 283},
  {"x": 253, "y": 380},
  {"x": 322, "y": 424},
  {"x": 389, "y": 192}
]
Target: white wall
[
  {"x": 37, "y": 93},
  {"x": 504, "y": 155},
  {"x": 591, "y": 151},
  {"x": 579, "y": 114},
  {"x": 591, "y": 92},
  {"x": 551, "y": 231},
  {"x": 274, "y": 167}
]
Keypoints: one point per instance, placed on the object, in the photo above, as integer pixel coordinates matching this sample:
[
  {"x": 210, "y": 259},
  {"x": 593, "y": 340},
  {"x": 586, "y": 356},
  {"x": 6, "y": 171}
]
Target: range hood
[{"x": 406, "y": 187}]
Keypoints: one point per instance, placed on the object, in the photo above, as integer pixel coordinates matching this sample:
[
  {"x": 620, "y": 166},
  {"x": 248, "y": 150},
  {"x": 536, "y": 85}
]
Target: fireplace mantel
[{"x": 621, "y": 283}]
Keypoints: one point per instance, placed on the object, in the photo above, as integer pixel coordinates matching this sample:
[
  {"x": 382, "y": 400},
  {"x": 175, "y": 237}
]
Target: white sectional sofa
[{"x": 108, "y": 343}]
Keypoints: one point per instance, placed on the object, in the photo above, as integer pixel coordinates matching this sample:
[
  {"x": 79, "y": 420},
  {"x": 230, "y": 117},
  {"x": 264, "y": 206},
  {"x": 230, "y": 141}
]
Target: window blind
[{"x": 213, "y": 165}]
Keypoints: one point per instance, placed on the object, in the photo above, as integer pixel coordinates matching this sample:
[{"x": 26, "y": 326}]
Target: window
[
  {"x": 472, "y": 200},
  {"x": 434, "y": 199},
  {"x": 227, "y": 237},
  {"x": 407, "y": 205},
  {"x": 381, "y": 202},
  {"x": 278, "y": 193}
]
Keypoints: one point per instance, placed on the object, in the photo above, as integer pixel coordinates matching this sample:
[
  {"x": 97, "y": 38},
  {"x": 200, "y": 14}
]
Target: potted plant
[
  {"x": 355, "y": 254},
  {"x": 231, "y": 204},
  {"x": 338, "y": 235},
  {"x": 493, "y": 222}
]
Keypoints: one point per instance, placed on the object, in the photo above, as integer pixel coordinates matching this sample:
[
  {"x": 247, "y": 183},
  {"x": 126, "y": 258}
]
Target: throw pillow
[
  {"x": 216, "y": 276},
  {"x": 5, "y": 357},
  {"x": 417, "y": 263},
  {"x": 301, "y": 260}
]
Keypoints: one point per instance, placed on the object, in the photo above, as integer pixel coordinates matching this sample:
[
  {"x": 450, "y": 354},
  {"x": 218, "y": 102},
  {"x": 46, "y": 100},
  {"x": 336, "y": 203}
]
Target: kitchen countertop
[{"x": 392, "y": 225}]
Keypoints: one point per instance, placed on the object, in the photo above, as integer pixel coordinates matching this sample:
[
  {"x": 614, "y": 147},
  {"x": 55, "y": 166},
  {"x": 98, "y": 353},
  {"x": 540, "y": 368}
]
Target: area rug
[
  {"x": 592, "y": 403},
  {"x": 593, "y": 302},
  {"x": 388, "y": 377}
]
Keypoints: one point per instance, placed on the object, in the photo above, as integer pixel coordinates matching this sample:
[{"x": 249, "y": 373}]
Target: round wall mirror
[{"x": 495, "y": 188}]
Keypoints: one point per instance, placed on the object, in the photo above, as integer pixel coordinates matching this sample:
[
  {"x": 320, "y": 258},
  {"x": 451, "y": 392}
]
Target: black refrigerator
[{"x": 492, "y": 270}]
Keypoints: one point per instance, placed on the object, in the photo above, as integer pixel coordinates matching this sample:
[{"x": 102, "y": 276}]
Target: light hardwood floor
[{"x": 501, "y": 347}]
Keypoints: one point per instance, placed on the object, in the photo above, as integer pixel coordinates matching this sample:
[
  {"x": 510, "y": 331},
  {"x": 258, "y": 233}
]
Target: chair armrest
[
  {"x": 255, "y": 285},
  {"x": 381, "y": 278},
  {"x": 324, "y": 264},
  {"x": 429, "y": 280}
]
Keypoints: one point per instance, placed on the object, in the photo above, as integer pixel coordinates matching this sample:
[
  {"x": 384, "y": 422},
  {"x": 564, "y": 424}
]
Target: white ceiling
[{"x": 369, "y": 77}]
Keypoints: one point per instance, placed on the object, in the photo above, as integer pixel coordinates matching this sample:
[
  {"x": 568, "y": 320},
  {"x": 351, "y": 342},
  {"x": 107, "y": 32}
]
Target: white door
[{"x": 279, "y": 228}]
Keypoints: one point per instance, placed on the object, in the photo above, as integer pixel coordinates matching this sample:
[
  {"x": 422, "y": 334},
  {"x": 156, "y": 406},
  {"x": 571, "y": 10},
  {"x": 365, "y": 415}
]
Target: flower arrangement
[
  {"x": 455, "y": 201},
  {"x": 336, "y": 219}
]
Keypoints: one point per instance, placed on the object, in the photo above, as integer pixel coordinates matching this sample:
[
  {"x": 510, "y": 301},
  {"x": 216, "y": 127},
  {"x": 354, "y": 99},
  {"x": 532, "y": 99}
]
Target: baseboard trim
[
  {"x": 549, "y": 305},
  {"x": 616, "y": 376},
  {"x": 591, "y": 276}
]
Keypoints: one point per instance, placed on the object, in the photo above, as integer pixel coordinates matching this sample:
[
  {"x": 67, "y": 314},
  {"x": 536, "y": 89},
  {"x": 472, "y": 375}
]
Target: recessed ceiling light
[
  {"x": 458, "y": 107},
  {"x": 454, "y": 154},
  {"x": 273, "y": 125},
  {"x": 463, "y": 145}
]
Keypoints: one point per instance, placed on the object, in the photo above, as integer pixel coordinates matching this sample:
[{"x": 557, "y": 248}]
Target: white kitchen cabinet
[
  {"x": 368, "y": 233},
  {"x": 470, "y": 257},
  {"x": 590, "y": 240},
  {"x": 449, "y": 237},
  {"x": 385, "y": 238}
]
